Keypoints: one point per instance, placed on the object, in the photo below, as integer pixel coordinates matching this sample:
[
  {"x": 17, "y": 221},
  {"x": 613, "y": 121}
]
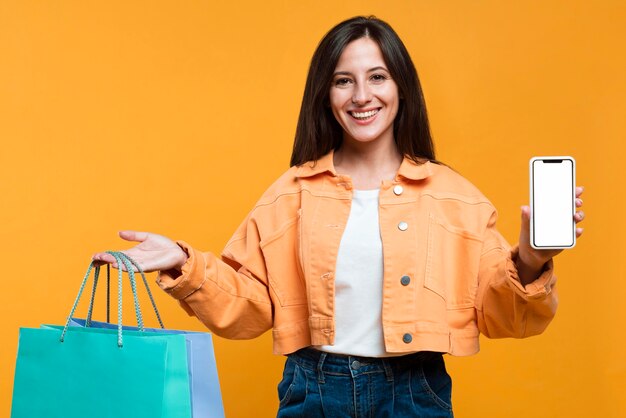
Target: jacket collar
[
  {"x": 413, "y": 171},
  {"x": 312, "y": 168},
  {"x": 408, "y": 169}
]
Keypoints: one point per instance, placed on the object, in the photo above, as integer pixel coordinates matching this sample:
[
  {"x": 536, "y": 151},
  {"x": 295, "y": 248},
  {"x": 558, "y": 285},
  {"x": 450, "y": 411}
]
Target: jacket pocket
[
  {"x": 281, "y": 252},
  {"x": 452, "y": 262}
]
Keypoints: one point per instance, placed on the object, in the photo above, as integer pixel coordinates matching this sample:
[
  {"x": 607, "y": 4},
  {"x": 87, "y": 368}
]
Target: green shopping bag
[{"x": 68, "y": 372}]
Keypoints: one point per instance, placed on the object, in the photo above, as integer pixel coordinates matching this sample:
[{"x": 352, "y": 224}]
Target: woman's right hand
[{"x": 153, "y": 253}]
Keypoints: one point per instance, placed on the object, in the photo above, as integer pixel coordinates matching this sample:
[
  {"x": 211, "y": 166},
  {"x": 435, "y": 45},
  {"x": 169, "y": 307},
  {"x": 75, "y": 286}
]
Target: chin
[{"x": 365, "y": 138}]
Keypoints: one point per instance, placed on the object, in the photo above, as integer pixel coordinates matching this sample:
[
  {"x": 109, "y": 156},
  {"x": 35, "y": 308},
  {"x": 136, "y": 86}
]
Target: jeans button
[{"x": 355, "y": 365}]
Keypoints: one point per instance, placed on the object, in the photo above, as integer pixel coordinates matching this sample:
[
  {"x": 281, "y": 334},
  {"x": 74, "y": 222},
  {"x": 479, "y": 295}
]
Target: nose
[{"x": 362, "y": 94}]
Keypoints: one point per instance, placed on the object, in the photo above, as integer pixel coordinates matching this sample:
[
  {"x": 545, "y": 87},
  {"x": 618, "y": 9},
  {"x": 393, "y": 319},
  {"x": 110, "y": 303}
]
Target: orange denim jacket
[{"x": 448, "y": 273}]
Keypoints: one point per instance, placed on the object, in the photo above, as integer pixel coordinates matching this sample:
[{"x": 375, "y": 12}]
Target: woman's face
[{"x": 363, "y": 97}]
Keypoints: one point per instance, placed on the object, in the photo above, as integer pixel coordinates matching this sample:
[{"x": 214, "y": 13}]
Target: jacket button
[
  {"x": 407, "y": 338},
  {"x": 403, "y": 226},
  {"x": 397, "y": 190},
  {"x": 405, "y": 280}
]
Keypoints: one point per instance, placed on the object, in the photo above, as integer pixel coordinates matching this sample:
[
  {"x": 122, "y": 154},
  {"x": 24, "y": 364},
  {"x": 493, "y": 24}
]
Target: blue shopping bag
[{"x": 68, "y": 372}]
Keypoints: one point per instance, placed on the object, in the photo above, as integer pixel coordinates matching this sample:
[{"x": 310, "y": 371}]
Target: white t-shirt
[{"x": 359, "y": 282}]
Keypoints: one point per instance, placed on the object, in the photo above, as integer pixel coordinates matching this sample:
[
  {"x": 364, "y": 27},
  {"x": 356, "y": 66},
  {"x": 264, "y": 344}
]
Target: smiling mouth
[{"x": 364, "y": 115}]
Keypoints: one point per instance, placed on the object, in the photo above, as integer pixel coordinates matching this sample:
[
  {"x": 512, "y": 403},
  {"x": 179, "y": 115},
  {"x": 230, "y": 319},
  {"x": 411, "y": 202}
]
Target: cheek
[
  {"x": 339, "y": 97},
  {"x": 332, "y": 99},
  {"x": 336, "y": 101},
  {"x": 394, "y": 101},
  {"x": 394, "y": 96}
]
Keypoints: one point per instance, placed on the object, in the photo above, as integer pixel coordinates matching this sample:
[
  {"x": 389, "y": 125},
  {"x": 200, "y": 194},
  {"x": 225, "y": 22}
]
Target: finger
[
  {"x": 579, "y": 232},
  {"x": 133, "y": 236},
  {"x": 100, "y": 259},
  {"x": 103, "y": 258},
  {"x": 579, "y": 216},
  {"x": 579, "y": 203},
  {"x": 98, "y": 263},
  {"x": 579, "y": 190},
  {"x": 524, "y": 233}
]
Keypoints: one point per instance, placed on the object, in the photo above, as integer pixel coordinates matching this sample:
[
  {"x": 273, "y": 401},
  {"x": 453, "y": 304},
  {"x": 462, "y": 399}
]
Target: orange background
[{"x": 173, "y": 117}]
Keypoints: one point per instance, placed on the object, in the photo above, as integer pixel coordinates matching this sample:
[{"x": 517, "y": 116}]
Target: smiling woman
[{"x": 367, "y": 258}]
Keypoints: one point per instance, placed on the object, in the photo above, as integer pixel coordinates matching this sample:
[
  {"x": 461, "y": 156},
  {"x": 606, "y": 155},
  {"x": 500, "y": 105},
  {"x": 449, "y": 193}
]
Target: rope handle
[
  {"x": 145, "y": 282},
  {"x": 121, "y": 259}
]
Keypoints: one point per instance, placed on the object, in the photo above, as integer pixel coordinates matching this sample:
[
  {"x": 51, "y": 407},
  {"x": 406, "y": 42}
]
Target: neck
[{"x": 368, "y": 164}]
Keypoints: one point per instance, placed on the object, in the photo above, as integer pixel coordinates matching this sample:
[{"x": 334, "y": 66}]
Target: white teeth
[{"x": 364, "y": 115}]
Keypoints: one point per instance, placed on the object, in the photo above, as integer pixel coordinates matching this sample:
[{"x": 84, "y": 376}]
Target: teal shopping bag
[
  {"x": 206, "y": 399},
  {"x": 64, "y": 371}
]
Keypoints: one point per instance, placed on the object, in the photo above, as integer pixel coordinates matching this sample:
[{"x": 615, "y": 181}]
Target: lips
[{"x": 364, "y": 115}]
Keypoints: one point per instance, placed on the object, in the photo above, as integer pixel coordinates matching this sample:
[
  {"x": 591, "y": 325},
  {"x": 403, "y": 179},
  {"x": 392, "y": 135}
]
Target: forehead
[{"x": 362, "y": 53}]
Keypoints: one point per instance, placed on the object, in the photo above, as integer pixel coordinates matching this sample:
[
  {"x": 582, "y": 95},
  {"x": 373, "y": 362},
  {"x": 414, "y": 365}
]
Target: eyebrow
[{"x": 369, "y": 71}]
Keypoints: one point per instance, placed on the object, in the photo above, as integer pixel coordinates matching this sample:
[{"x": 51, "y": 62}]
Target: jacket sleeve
[
  {"x": 504, "y": 307},
  {"x": 229, "y": 295}
]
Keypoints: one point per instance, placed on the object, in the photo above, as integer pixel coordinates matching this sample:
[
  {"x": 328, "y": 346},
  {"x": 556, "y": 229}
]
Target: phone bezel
[{"x": 532, "y": 202}]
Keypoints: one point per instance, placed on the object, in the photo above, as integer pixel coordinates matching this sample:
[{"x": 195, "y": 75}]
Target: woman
[{"x": 367, "y": 258}]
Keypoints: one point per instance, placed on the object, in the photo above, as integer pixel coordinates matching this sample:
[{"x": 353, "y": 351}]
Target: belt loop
[
  {"x": 388, "y": 371},
  {"x": 320, "y": 372}
]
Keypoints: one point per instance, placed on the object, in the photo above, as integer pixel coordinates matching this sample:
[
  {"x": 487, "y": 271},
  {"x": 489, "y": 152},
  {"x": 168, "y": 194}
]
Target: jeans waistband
[{"x": 338, "y": 364}]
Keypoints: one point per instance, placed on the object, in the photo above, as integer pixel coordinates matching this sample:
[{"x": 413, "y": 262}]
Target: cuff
[
  {"x": 192, "y": 278},
  {"x": 537, "y": 289}
]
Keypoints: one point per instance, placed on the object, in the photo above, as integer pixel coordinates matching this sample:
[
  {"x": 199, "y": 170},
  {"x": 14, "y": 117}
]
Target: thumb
[{"x": 133, "y": 236}]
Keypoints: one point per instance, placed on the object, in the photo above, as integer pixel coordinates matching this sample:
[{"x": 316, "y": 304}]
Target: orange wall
[{"x": 133, "y": 114}]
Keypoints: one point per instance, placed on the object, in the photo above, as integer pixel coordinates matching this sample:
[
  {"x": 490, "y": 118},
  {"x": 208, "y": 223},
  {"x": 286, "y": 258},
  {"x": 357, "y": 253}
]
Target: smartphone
[{"x": 552, "y": 202}]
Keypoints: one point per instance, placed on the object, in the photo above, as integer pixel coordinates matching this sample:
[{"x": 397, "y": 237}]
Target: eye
[
  {"x": 341, "y": 82},
  {"x": 378, "y": 78}
]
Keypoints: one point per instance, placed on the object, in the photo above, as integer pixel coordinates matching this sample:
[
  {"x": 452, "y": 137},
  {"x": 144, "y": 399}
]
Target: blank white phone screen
[{"x": 553, "y": 203}]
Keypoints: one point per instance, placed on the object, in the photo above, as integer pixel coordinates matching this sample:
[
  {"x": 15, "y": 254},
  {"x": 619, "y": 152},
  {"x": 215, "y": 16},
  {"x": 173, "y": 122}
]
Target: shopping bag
[
  {"x": 64, "y": 371},
  {"x": 206, "y": 399}
]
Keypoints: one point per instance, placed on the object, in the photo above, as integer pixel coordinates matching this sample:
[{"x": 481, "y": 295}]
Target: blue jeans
[{"x": 317, "y": 384}]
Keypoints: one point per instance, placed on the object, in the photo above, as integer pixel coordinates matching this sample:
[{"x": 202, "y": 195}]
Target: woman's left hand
[{"x": 530, "y": 261}]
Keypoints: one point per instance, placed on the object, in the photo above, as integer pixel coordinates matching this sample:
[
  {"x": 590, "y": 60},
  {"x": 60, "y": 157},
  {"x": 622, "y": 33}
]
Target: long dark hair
[{"x": 318, "y": 132}]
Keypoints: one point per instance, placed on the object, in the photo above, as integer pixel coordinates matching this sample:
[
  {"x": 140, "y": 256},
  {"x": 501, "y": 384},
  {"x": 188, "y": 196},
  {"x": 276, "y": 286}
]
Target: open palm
[{"x": 154, "y": 252}]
